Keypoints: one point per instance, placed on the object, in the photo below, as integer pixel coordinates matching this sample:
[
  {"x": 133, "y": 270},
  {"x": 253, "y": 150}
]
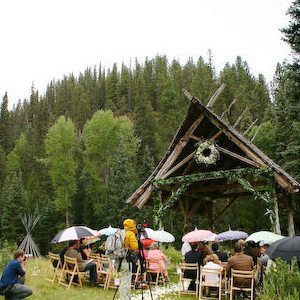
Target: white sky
[{"x": 43, "y": 40}]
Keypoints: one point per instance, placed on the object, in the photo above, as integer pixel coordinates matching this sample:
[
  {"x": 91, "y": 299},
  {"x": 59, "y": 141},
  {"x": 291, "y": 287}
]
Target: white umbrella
[
  {"x": 108, "y": 231},
  {"x": 264, "y": 237},
  {"x": 163, "y": 236},
  {"x": 74, "y": 233},
  {"x": 149, "y": 232}
]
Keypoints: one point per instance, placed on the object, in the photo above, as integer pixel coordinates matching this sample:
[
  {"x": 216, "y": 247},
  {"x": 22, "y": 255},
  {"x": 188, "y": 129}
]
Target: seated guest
[
  {"x": 186, "y": 247},
  {"x": 223, "y": 257},
  {"x": 212, "y": 261},
  {"x": 203, "y": 249},
  {"x": 155, "y": 253},
  {"x": 82, "y": 265},
  {"x": 192, "y": 256},
  {"x": 240, "y": 261},
  {"x": 84, "y": 249}
]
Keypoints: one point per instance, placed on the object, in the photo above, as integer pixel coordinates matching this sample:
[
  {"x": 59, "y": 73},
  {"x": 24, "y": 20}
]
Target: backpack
[{"x": 115, "y": 243}]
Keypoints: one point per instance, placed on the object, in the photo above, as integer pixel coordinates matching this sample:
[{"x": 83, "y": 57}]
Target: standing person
[
  {"x": 223, "y": 257},
  {"x": 14, "y": 277},
  {"x": 130, "y": 244},
  {"x": 72, "y": 251}
]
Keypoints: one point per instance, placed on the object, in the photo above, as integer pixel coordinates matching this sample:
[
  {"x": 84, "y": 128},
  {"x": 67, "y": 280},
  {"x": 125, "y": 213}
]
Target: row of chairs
[
  {"x": 66, "y": 273},
  {"x": 224, "y": 286}
]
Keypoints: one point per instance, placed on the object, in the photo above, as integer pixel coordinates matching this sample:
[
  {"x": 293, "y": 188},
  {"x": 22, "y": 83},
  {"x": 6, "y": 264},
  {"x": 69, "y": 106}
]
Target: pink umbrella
[{"x": 197, "y": 235}]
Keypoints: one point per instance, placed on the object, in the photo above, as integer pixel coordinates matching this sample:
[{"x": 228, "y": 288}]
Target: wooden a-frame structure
[{"x": 236, "y": 153}]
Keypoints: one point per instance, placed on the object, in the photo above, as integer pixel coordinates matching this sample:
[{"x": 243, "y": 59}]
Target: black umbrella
[
  {"x": 74, "y": 233},
  {"x": 286, "y": 249}
]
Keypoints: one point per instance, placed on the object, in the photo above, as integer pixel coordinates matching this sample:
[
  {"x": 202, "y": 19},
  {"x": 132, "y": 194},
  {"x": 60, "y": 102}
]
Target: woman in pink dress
[{"x": 155, "y": 253}]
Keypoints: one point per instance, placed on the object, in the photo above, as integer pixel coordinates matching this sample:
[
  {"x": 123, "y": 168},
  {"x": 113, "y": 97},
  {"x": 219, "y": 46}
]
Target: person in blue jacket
[{"x": 13, "y": 278}]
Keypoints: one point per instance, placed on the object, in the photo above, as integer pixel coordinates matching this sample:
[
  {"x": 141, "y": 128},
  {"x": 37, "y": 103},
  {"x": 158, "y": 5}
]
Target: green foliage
[
  {"x": 60, "y": 148},
  {"x": 282, "y": 282},
  {"x": 6, "y": 253},
  {"x": 16, "y": 204},
  {"x": 174, "y": 256}
]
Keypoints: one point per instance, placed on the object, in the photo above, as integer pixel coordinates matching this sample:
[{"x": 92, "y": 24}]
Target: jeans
[
  {"x": 19, "y": 290},
  {"x": 125, "y": 281},
  {"x": 92, "y": 267}
]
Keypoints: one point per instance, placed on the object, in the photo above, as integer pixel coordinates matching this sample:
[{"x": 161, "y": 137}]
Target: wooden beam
[
  {"x": 253, "y": 156},
  {"x": 229, "y": 108},
  {"x": 233, "y": 195},
  {"x": 170, "y": 160},
  {"x": 224, "y": 209},
  {"x": 240, "y": 118},
  {"x": 291, "y": 225},
  {"x": 230, "y": 153},
  {"x": 188, "y": 167},
  {"x": 250, "y": 127},
  {"x": 226, "y": 187},
  {"x": 216, "y": 135},
  {"x": 238, "y": 157},
  {"x": 256, "y": 133},
  {"x": 179, "y": 165},
  {"x": 187, "y": 94},
  {"x": 196, "y": 138},
  {"x": 215, "y": 96},
  {"x": 278, "y": 231}
]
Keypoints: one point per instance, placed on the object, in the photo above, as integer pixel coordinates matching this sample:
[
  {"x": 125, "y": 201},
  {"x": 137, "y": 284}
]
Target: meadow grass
[{"x": 43, "y": 290}]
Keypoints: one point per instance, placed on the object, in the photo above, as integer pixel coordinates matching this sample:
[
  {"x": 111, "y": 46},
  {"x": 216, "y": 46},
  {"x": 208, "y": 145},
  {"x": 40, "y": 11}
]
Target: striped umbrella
[{"x": 74, "y": 233}]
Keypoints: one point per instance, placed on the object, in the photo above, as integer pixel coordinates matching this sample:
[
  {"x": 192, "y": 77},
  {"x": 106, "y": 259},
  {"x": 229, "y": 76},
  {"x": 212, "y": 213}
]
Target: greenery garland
[{"x": 237, "y": 174}]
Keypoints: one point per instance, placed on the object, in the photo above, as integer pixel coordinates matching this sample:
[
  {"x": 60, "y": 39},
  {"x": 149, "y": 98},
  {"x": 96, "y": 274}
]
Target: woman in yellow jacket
[{"x": 130, "y": 243}]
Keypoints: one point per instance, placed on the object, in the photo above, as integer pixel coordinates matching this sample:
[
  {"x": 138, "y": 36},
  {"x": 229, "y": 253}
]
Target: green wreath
[{"x": 206, "y": 153}]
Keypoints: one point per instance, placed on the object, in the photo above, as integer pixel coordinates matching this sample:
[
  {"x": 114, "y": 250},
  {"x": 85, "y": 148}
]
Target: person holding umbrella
[{"x": 72, "y": 251}]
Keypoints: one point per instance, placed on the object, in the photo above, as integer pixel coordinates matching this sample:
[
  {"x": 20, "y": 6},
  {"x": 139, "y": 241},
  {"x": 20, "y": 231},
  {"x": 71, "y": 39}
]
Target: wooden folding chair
[
  {"x": 159, "y": 276},
  {"x": 70, "y": 269},
  {"x": 136, "y": 276},
  {"x": 204, "y": 274},
  {"x": 106, "y": 273},
  {"x": 245, "y": 275},
  {"x": 54, "y": 271},
  {"x": 194, "y": 268},
  {"x": 225, "y": 279}
]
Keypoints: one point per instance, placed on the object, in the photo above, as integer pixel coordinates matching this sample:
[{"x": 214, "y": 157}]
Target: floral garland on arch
[
  {"x": 239, "y": 175},
  {"x": 206, "y": 153}
]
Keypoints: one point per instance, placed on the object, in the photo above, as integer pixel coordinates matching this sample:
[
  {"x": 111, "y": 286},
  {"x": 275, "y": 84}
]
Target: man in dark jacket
[
  {"x": 223, "y": 257},
  {"x": 192, "y": 256}
]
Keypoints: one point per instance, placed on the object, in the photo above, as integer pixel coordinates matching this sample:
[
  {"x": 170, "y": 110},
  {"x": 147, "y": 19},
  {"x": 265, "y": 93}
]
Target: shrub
[
  {"x": 174, "y": 256},
  {"x": 6, "y": 253},
  {"x": 282, "y": 282}
]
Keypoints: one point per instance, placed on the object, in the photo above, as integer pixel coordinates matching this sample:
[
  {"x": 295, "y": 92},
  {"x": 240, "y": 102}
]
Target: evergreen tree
[
  {"x": 5, "y": 126},
  {"x": 16, "y": 204}
]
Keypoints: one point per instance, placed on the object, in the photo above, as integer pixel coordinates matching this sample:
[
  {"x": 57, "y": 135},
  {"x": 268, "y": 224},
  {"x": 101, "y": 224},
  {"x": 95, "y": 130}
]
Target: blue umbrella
[
  {"x": 231, "y": 235},
  {"x": 108, "y": 231}
]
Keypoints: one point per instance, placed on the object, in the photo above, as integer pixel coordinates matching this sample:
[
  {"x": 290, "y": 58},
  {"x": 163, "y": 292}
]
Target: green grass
[{"x": 43, "y": 290}]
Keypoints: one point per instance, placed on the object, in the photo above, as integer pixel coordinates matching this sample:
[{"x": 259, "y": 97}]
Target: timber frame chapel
[{"x": 209, "y": 160}]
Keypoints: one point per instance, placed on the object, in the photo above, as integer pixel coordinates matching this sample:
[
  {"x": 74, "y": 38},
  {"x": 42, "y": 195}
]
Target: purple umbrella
[{"x": 231, "y": 235}]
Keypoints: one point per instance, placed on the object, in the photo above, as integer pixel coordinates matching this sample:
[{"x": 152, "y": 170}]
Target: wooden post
[
  {"x": 160, "y": 225},
  {"x": 291, "y": 227},
  {"x": 278, "y": 231},
  {"x": 186, "y": 216}
]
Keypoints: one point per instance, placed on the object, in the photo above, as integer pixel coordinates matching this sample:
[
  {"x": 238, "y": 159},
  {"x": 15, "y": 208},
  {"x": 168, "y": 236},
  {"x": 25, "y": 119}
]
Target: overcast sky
[{"x": 43, "y": 40}]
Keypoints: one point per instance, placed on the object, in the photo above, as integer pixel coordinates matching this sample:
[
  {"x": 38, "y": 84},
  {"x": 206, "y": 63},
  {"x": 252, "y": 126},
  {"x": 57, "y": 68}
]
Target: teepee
[{"x": 28, "y": 244}]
